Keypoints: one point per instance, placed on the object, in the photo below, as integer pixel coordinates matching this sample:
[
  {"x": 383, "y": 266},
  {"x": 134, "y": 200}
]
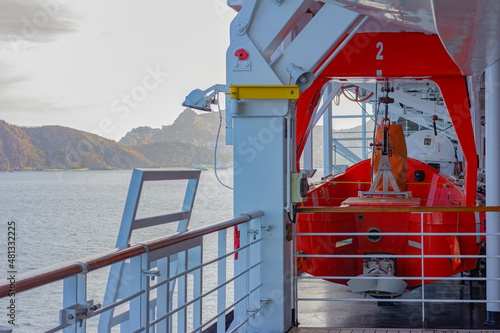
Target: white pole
[
  {"x": 327, "y": 136},
  {"x": 493, "y": 188},
  {"x": 363, "y": 129},
  {"x": 308, "y": 154}
]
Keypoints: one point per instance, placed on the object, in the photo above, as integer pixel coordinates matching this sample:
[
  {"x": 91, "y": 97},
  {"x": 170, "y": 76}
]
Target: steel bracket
[
  {"x": 77, "y": 312},
  {"x": 253, "y": 232},
  {"x": 151, "y": 273}
]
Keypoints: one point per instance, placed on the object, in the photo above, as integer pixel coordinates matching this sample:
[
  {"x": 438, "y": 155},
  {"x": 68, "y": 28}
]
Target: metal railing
[
  {"x": 423, "y": 278},
  {"x": 157, "y": 273}
]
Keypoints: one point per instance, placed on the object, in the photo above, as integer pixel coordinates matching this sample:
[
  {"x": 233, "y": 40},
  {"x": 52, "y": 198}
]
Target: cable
[{"x": 217, "y": 142}]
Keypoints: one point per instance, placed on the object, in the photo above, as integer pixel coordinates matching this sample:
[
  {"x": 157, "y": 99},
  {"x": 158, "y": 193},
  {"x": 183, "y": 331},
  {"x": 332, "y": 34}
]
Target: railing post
[
  {"x": 195, "y": 259},
  {"x": 182, "y": 292},
  {"x": 254, "y": 256},
  {"x": 423, "y": 266},
  {"x": 221, "y": 278},
  {"x": 162, "y": 294},
  {"x": 75, "y": 292},
  {"x": 139, "y": 306},
  {"x": 241, "y": 284},
  {"x": 295, "y": 291}
]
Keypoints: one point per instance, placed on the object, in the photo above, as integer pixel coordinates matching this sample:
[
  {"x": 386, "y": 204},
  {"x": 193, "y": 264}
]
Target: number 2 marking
[{"x": 379, "y": 54}]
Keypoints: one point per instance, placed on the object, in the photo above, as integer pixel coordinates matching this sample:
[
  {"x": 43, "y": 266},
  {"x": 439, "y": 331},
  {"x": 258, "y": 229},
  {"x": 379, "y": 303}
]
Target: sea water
[{"x": 68, "y": 215}]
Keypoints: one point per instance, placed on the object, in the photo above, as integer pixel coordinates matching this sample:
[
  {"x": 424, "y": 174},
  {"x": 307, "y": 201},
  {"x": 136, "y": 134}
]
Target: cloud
[
  {"x": 23, "y": 25},
  {"x": 34, "y": 21}
]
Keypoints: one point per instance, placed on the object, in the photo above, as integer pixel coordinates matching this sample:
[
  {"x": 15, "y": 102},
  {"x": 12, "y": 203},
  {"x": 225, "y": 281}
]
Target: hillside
[
  {"x": 179, "y": 154},
  {"x": 16, "y": 149},
  {"x": 67, "y": 148},
  {"x": 198, "y": 129},
  {"x": 57, "y": 147}
]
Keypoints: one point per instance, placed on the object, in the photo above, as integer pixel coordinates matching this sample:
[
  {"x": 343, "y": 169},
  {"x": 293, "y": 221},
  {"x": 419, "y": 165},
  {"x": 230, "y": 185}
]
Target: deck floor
[
  {"x": 379, "y": 330},
  {"x": 405, "y": 317}
]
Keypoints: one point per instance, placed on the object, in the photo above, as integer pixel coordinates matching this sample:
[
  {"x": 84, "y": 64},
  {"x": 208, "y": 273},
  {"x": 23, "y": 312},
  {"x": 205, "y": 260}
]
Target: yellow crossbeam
[{"x": 264, "y": 92}]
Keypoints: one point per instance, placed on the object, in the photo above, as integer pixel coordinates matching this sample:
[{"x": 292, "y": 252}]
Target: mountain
[
  {"x": 198, "y": 129},
  {"x": 57, "y": 147},
  {"x": 178, "y": 154},
  {"x": 67, "y": 148},
  {"x": 17, "y": 150}
]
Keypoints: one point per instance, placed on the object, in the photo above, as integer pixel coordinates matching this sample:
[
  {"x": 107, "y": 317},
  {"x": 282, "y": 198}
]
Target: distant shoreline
[{"x": 88, "y": 169}]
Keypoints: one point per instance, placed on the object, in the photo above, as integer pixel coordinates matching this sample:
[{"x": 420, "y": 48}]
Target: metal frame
[
  {"x": 151, "y": 259},
  {"x": 491, "y": 300},
  {"x": 116, "y": 286}
]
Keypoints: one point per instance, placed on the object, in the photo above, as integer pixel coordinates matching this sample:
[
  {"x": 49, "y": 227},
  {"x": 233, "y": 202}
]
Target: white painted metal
[
  {"x": 384, "y": 172},
  {"x": 388, "y": 279},
  {"x": 476, "y": 48},
  {"x": 308, "y": 156},
  {"x": 378, "y": 277},
  {"x": 195, "y": 260},
  {"x": 328, "y": 96},
  {"x": 423, "y": 119},
  {"x": 412, "y": 101},
  {"x": 345, "y": 152},
  {"x": 363, "y": 130},
  {"x": 75, "y": 292},
  {"x": 182, "y": 292},
  {"x": 422, "y": 264},
  {"x": 221, "y": 279},
  {"x": 474, "y": 84},
  {"x": 420, "y": 19},
  {"x": 116, "y": 286},
  {"x": 473, "y": 49},
  {"x": 137, "y": 319},
  {"x": 290, "y": 158},
  {"x": 277, "y": 27},
  {"x": 359, "y": 23},
  {"x": 492, "y": 183},
  {"x": 311, "y": 46},
  {"x": 162, "y": 295},
  {"x": 327, "y": 135},
  {"x": 141, "y": 316},
  {"x": 259, "y": 179}
]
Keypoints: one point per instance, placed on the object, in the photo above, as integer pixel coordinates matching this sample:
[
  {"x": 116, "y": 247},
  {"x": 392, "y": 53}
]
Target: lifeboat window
[
  {"x": 375, "y": 235},
  {"x": 419, "y": 175}
]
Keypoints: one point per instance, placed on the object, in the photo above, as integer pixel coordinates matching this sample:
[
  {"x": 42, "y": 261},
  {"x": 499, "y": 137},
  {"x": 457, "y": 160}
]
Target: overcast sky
[{"x": 107, "y": 66}]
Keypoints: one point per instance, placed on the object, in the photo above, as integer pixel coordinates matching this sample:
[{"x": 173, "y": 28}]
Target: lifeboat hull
[{"x": 433, "y": 190}]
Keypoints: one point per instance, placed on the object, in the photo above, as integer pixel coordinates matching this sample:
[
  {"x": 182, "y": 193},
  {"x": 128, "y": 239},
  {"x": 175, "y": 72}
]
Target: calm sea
[{"x": 68, "y": 215}]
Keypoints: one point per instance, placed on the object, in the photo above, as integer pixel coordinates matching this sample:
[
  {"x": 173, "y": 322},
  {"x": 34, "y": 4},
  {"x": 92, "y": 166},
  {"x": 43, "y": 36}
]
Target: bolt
[
  {"x": 236, "y": 65},
  {"x": 240, "y": 29},
  {"x": 70, "y": 316},
  {"x": 292, "y": 92}
]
